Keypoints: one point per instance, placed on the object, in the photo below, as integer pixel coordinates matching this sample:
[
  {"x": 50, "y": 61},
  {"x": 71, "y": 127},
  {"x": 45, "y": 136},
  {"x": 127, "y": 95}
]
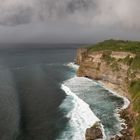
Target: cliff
[{"x": 116, "y": 63}]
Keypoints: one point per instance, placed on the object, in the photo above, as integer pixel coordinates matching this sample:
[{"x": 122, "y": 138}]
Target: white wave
[
  {"x": 72, "y": 65},
  {"x": 125, "y": 106},
  {"x": 126, "y": 100},
  {"x": 82, "y": 84},
  {"x": 82, "y": 79},
  {"x": 80, "y": 116}
]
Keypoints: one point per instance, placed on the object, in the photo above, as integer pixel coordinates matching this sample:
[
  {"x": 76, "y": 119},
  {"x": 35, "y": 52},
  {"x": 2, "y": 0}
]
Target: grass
[
  {"x": 136, "y": 62},
  {"x": 128, "y": 60},
  {"x": 107, "y": 57},
  {"x": 116, "y": 45},
  {"x": 119, "y": 45},
  {"x": 135, "y": 93},
  {"x": 137, "y": 127}
]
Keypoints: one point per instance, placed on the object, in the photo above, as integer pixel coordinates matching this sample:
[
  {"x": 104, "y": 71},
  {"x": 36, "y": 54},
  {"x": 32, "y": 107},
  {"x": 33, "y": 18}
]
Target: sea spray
[
  {"x": 80, "y": 116},
  {"x": 72, "y": 65},
  {"x": 117, "y": 111},
  {"x": 81, "y": 86},
  {"x": 126, "y": 100}
]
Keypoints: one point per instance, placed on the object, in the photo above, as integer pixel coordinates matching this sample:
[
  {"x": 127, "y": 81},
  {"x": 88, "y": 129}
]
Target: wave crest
[{"x": 80, "y": 116}]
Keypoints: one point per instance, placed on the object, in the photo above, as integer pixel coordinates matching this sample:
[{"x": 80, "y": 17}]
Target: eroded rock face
[
  {"x": 110, "y": 68},
  {"x": 105, "y": 66},
  {"x": 81, "y": 55},
  {"x": 94, "y": 132},
  {"x": 121, "y": 138}
]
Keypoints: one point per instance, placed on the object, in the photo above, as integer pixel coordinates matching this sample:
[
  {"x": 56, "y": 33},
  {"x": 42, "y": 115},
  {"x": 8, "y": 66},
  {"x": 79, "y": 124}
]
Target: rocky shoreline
[
  {"x": 127, "y": 132},
  {"x": 94, "y": 132},
  {"x": 126, "y": 113},
  {"x": 113, "y": 75}
]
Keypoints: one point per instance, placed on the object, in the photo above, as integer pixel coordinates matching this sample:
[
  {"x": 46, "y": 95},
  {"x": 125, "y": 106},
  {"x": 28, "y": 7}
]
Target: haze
[{"x": 68, "y": 21}]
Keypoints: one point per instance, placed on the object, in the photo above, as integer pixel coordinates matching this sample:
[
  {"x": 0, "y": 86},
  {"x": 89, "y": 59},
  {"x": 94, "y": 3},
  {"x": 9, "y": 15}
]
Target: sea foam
[
  {"x": 78, "y": 112},
  {"x": 73, "y": 65},
  {"x": 126, "y": 100},
  {"x": 80, "y": 116},
  {"x": 117, "y": 112}
]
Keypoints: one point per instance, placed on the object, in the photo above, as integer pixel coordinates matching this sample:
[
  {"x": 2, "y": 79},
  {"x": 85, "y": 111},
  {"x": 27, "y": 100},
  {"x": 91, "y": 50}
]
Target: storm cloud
[{"x": 68, "y": 21}]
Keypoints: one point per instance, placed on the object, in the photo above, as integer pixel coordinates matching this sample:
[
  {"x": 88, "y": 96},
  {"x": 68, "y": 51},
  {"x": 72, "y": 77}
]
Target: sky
[{"x": 68, "y": 21}]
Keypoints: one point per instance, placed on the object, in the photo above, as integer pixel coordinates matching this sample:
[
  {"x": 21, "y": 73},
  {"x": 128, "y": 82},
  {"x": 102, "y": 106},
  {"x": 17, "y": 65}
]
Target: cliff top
[
  {"x": 116, "y": 45},
  {"x": 119, "y": 46}
]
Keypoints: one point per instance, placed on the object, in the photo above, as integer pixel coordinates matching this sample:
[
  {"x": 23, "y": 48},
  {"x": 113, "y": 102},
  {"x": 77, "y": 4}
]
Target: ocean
[{"x": 41, "y": 98}]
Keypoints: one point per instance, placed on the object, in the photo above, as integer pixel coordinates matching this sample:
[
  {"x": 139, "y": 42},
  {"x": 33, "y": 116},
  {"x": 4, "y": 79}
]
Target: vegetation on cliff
[
  {"x": 119, "y": 45},
  {"x": 133, "y": 63},
  {"x": 135, "y": 93},
  {"x": 116, "y": 45}
]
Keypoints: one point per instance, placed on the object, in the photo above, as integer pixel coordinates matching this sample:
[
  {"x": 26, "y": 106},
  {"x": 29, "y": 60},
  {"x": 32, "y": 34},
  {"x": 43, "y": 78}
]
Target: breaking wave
[
  {"x": 80, "y": 93},
  {"x": 80, "y": 116},
  {"x": 78, "y": 112}
]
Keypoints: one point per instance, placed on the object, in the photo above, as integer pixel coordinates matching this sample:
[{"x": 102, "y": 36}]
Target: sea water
[{"x": 41, "y": 98}]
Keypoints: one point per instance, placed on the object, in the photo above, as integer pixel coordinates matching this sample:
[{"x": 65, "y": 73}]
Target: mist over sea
[{"x": 42, "y": 99}]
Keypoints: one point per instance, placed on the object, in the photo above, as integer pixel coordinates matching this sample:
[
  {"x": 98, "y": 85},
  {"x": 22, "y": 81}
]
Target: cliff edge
[{"x": 116, "y": 63}]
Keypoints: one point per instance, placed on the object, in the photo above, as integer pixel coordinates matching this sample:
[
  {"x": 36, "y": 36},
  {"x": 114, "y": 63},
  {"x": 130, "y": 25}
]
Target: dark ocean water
[
  {"x": 30, "y": 92},
  {"x": 34, "y": 105}
]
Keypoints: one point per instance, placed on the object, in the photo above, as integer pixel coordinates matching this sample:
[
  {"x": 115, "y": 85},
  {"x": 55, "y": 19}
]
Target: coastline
[
  {"x": 79, "y": 109},
  {"x": 116, "y": 69},
  {"x": 81, "y": 116},
  {"x": 95, "y": 130},
  {"x": 124, "y": 113},
  {"x": 117, "y": 91}
]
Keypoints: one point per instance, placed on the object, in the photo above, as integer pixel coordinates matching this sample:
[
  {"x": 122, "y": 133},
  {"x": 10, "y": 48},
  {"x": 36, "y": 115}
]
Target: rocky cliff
[
  {"x": 107, "y": 66},
  {"x": 114, "y": 67}
]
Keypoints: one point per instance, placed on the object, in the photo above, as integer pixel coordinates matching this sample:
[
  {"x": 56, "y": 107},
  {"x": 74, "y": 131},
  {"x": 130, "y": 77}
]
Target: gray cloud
[{"x": 68, "y": 20}]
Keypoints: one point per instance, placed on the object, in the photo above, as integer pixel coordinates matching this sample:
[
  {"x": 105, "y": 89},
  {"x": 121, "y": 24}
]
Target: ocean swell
[
  {"x": 82, "y": 92},
  {"x": 117, "y": 111},
  {"x": 80, "y": 116}
]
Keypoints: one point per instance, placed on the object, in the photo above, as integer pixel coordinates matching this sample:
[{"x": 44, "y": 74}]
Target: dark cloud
[{"x": 69, "y": 21}]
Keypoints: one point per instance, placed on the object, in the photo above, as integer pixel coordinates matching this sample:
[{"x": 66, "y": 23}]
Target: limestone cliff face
[
  {"x": 106, "y": 66},
  {"x": 111, "y": 67}
]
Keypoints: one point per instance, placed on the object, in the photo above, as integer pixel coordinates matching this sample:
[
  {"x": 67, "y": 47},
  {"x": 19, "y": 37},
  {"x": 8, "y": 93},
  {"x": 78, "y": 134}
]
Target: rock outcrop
[
  {"x": 94, "y": 132},
  {"x": 107, "y": 66}
]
